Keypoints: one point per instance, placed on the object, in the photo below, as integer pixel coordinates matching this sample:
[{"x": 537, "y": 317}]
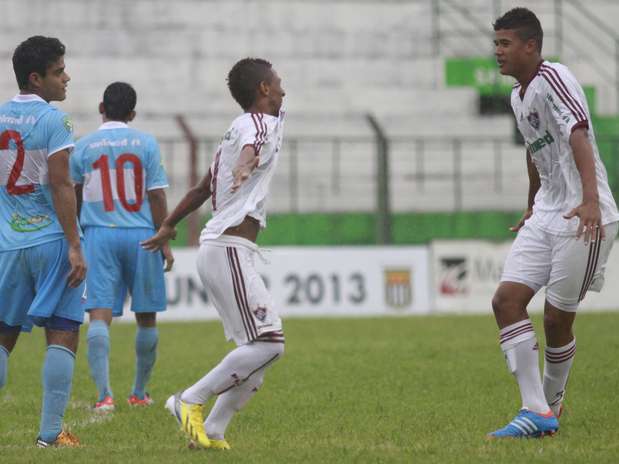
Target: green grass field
[{"x": 419, "y": 389}]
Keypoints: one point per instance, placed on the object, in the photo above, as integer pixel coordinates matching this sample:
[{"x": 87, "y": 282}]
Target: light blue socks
[
  {"x": 57, "y": 377},
  {"x": 4, "y": 365},
  {"x": 99, "y": 356},
  {"x": 146, "y": 339}
]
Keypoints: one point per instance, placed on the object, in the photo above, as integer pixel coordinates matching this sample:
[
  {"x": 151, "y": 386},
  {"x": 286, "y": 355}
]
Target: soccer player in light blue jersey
[
  {"x": 121, "y": 184},
  {"x": 42, "y": 268}
]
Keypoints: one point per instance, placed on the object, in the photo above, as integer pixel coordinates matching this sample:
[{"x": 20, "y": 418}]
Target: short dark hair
[
  {"x": 119, "y": 100},
  {"x": 35, "y": 54},
  {"x": 524, "y": 22},
  {"x": 245, "y": 77}
]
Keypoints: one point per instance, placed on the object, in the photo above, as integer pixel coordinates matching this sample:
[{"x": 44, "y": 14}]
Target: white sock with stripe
[
  {"x": 519, "y": 344},
  {"x": 238, "y": 366},
  {"x": 229, "y": 403},
  {"x": 556, "y": 371}
]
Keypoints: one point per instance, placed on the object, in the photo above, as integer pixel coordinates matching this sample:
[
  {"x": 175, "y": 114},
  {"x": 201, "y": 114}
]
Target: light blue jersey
[
  {"x": 31, "y": 130},
  {"x": 117, "y": 165}
]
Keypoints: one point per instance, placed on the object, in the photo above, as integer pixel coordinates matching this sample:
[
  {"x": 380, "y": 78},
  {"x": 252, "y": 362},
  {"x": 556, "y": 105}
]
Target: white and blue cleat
[{"x": 528, "y": 424}]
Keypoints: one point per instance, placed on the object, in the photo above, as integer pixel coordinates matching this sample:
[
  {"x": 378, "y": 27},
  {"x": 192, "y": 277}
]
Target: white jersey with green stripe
[{"x": 552, "y": 108}]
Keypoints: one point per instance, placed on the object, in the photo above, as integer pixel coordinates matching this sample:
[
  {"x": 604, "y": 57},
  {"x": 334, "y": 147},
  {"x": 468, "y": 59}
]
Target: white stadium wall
[
  {"x": 339, "y": 59},
  {"x": 446, "y": 277}
]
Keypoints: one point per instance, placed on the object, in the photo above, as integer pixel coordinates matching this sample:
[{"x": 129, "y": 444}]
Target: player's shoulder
[
  {"x": 85, "y": 140},
  {"x": 555, "y": 75}
]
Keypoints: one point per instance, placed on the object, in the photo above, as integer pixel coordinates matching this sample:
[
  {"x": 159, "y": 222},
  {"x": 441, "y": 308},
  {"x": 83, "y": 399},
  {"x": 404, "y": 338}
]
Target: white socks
[
  {"x": 556, "y": 371},
  {"x": 229, "y": 403},
  {"x": 237, "y": 367},
  {"x": 519, "y": 344}
]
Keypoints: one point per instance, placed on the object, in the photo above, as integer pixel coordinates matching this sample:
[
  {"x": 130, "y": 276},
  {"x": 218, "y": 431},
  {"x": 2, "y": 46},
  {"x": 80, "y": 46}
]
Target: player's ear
[
  {"x": 101, "y": 108},
  {"x": 264, "y": 88},
  {"x": 34, "y": 80},
  {"x": 131, "y": 116}
]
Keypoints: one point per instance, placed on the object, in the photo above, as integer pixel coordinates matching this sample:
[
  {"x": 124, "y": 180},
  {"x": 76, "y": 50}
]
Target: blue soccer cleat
[{"x": 528, "y": 424}]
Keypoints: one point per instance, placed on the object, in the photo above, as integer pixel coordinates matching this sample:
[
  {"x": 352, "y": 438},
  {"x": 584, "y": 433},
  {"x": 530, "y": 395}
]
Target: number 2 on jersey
[
  {"x": 106, "y": 183},
  {"x": 11, "y": 185}
]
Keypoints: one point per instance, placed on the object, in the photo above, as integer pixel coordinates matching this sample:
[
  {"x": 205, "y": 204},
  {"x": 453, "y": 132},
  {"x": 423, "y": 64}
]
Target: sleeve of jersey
[
  {"x": 155, "y": 174},
  {"x": 564, "y": 102},
  {"x": 254, "y": 132},
  {"x": 59, "y": 132}
]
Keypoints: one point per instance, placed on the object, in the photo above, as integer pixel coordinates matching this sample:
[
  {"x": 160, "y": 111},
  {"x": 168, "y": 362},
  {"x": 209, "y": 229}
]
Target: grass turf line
[{"x": 419, "y": 389}]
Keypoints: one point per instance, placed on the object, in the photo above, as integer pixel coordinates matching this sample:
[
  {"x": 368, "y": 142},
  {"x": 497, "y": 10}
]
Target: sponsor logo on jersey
[
  {"x": 533, "y": 119},
  {"x": 20, "y": 223},
  {"x": 540, "y": 143},
  {"x": 453, "y": 276},
  {"x": 261, "y": 313},
  {"x": 398, "y": 288}
]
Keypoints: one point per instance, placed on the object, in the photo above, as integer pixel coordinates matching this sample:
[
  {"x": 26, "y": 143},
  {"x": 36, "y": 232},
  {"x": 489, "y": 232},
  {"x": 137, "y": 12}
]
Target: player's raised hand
[
  {"x": 157, "y": 241},
  {"x": 590, "y": 221},
  {"x": 243, "y": 171},
  {"x": 168, "y": 257},
  {"x": 527, "y": 214},
  {"x": 78, "y": 266}
]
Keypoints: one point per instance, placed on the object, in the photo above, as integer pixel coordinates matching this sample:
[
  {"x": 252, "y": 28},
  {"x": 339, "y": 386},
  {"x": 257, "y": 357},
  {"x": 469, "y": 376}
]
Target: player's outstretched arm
[
  {"x": 589, "y": 210},
  {"x": 248, "y": 160},
  {"x": 159, "y": 210},
  {"x": 534, "y": 185},
  {"x": 190, "y": 202},
  {"x": 63, "y": 198}
]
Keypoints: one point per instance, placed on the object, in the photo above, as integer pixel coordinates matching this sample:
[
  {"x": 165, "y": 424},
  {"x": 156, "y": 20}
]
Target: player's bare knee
[{"x": 554, "y": 323}]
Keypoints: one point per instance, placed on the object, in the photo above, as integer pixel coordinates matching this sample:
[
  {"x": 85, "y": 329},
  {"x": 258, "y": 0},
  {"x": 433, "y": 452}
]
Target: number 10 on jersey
[{"x": 106, "y": 183}]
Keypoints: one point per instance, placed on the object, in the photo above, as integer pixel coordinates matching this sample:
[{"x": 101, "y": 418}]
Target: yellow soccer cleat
[
  {"x": 219, "y": 444},
  {"x": 215, "y": 444},
  {"x": 189, "y": 416},
  {"x": 63, "y": 440}
]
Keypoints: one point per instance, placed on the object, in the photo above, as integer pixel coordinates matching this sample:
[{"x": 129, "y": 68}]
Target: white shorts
[
  {"x": 226, "y": 268},
  {"x": 563, "y": 264}
]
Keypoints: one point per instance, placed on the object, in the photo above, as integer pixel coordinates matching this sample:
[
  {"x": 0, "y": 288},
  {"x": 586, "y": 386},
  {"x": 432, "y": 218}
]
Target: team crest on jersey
[
  {"x": 68, "y": 124},
  {"x": 533, "y": 119},
  {"x": 261, "y": 313},
  {"x": 398, "y": 288}
]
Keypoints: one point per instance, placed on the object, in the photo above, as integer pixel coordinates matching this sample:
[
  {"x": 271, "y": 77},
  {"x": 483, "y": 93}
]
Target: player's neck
[
  {"x": 527, "y": 74},
  {"x": 32, "y": 92},
  {"x": 261, "y": 107}
]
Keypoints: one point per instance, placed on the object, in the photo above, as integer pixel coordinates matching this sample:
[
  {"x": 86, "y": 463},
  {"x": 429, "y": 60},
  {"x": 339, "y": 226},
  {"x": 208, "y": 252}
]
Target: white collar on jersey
[
  {"x": 113, "y": 125},
  {"x": 28, "y": 97}
]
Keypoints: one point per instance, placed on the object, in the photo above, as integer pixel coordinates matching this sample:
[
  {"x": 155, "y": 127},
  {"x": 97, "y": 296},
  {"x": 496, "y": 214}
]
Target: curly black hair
[
  {"x": 524, "y": 22},
  {"x": 245, "y": 77},
  {"x": 119, "y": 100},
  {"x": 35, "y": 54}
]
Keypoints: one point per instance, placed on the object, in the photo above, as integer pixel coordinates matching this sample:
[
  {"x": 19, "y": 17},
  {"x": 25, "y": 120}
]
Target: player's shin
[
  {"x": 557, "y": 365},
  {"x": 229, "y": 403},
  {"x": 240, "y": 364},
  {"x": 57, "y": 376},
  {"x": 146, "y": 339},
  {"x": 98, "y": 356},
  {"x": 4, "y": 365},
  {"x": 519, "y": 344}
]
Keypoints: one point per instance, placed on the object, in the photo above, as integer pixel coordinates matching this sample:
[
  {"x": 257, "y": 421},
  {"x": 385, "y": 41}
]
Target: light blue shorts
[
  {"x": 117, "y": 264},
  {"x": 34, "y": 286}
]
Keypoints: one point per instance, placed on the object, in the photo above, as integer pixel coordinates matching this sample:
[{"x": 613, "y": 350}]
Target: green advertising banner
[{"x": 480, "y": 73}]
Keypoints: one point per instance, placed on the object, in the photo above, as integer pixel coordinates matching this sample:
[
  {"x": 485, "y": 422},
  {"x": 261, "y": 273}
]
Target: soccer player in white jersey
[
  {"x": 566, "y": 232},
  {"x": 238, "y": 184},
  {"x": 121, "y": 184},
  {"x": 42, "y": 267}
]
